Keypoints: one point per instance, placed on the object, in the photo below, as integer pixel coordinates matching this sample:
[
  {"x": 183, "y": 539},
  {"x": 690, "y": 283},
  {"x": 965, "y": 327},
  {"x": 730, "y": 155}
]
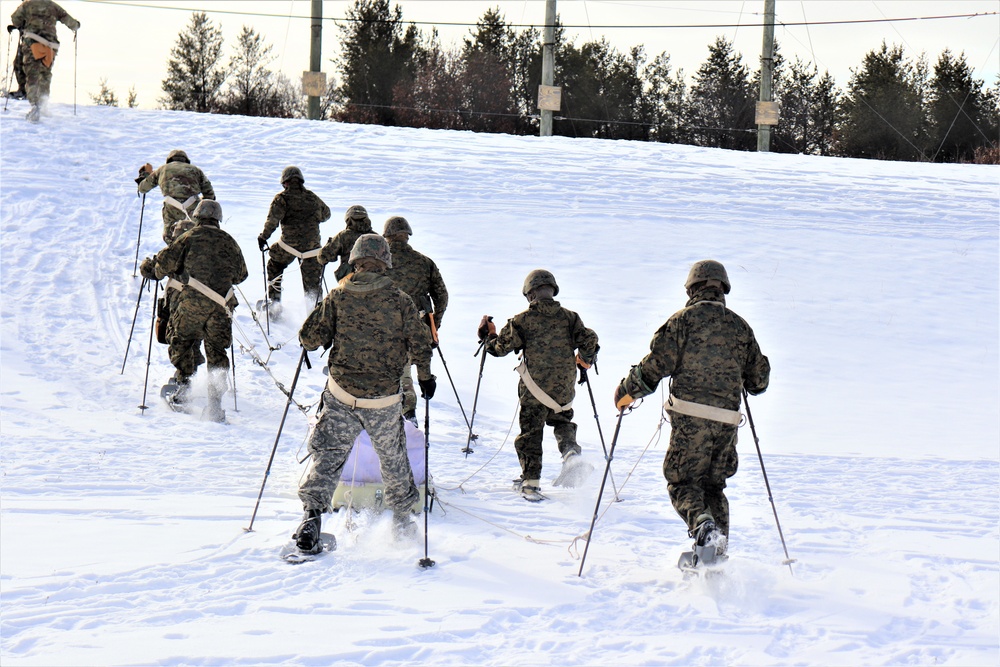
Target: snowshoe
[
  {"x": 307, "y": 536},
  {"x": 403, "y": 527},
  {"x": 290, "y": 553},
  {"x": 575, "y": 471},
  {"x": 34, "y": 115},
  {"x": 529, "y": 490},
  {"x": 270, "y": 306},
  {"x": 176, "y": 395},
  {"x": 709, "y": 548}
]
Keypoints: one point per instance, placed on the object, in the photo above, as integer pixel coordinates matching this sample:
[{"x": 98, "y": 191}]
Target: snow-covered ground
[{"x": 872, "y": 287}]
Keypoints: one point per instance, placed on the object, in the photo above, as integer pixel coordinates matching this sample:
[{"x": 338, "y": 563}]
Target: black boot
[
  {"x": 307, "y": 537},
  {"x": 403, "y": 527}
]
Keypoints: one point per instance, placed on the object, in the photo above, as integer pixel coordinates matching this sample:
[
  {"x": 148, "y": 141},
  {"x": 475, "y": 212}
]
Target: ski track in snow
[{"x": 873, "y": 288}]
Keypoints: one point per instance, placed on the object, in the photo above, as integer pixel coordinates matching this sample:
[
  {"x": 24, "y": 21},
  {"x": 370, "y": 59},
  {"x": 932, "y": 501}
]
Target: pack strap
[
  {"x": 353, "y": 401},
  {"x": 295, "y": 253},
  {"x": 41, "y": 40},
  {"x": 185, "y": 207},
  {"x": 211, "y": 293},
  {"x": 536, "y": 391},
  {"x": 173, "y": 284},
  {"x": 691, "y": 409}
]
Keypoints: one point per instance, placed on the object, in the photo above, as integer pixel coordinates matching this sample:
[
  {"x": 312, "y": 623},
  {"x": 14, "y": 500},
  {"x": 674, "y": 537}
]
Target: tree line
[{"x": 390, "y": 73}]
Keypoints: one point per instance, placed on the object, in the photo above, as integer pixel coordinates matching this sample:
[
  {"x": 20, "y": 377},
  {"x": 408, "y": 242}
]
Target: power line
[{"x": 663, "y": 26}]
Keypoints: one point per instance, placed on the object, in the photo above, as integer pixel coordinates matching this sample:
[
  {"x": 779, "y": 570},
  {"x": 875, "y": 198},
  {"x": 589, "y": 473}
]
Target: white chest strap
[
  {"x": 211, "y": 293},
  {"x": 710, "y": 412},
  {"x": 536, "y": 391},
  {"x": 41, "y": 40},
  {"x": 295, "y": 253},
  {"x": 183, "y": 208},
  {"x": 353, "y": 401}
]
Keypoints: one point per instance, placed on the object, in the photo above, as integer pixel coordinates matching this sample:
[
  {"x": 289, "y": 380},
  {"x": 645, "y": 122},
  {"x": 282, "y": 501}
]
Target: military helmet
[
  {"x": 177, "y": 156},
  {"x": 288, "y": 173},
  {"x": 208, "y": 208},
  {"x": 708, "y": 269},
  {"x": 371, "y": 245},
  {"x": 356, "y": 212},
  {"x": 537, "y": 278},
  {"x": 397, "y": 224}
]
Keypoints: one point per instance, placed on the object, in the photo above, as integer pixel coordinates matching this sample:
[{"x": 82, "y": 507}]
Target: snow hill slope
[{"x": 872, "y": 287}]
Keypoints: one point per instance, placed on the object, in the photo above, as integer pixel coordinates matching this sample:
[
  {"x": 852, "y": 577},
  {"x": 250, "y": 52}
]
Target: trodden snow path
[{"x": 873, "y": 288}]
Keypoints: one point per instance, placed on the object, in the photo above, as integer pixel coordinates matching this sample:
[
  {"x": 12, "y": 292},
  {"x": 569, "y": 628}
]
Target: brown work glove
[{"x": 486, "y": 328}]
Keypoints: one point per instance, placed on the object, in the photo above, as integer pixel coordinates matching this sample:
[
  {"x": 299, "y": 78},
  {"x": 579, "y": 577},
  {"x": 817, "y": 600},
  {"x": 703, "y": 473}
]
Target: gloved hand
[
  {"x": 11, "y": 28},
  {"x": 146, "y": 269},
  {"x": 581, "y": 363},
  {"x": 262, "y": 243},
  {"x": 486, "y": 328},
  {"x": 427, "y": 387},
  {"x": 622, "y": 399}
]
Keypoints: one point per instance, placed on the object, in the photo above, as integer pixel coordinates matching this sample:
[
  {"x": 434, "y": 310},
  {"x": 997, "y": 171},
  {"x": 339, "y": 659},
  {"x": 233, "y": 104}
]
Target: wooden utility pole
[
  {"x": 548, "y": 68},
  {"x": 767, "y": 110},
  {"x": 315, "y": 49}
]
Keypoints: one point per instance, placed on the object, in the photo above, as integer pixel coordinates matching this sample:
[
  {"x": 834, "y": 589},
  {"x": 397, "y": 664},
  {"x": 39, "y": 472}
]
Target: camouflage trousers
[
  {"x": 330, "y": 444},
  {"x": 534, "y": 417},
  {"x": 278, "y": 260},
  {"x": 701, "y": 457},
  {"x": 193, "y": 320},
  {"x": 37, "y": 77}
]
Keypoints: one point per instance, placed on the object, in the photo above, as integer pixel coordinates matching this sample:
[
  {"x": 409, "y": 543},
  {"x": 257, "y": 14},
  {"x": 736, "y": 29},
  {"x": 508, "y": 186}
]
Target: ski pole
[
  {"x": 74, "y": 71},
  {"x": 232, "y": 352},
  {"x": 788, "y": 560},
  {"x": 138, "y": 238},
  {"x": 475, "y": 401},
  {"x": 7, "y": 71},
  {"x": 426, "y": 562},
  {"x": 267, "y": 298},
  {"x": 149, "y": 352},
  {"x": 142, "y": 286},
  {"x": 291, "y": 391},
  {"x": 597, "y": 507},
  {"x": 585, "y": 378}
]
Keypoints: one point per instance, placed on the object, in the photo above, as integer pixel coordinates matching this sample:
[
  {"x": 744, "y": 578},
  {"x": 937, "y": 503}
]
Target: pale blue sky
[{"x": 129, "y": 43}]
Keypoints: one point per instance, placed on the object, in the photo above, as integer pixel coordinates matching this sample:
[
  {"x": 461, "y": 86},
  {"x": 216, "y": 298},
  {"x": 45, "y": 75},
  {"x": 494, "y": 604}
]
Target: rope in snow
[{"x": 489, "y": 460}]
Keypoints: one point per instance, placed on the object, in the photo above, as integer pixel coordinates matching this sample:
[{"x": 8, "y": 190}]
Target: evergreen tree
[
  {"x": 883, "y": 112},
  {"x": 133, "y": 98},
  {"x": 666, "y": 93},
  {"x": 105, "y": 97},
  {"x": 488, "y": 76},
  {"x": 377, "y": 55},
  {"x": 958, "y": 110},
  {"x": 808, "y": 111},
  {"x": 722, "y": 104},
  {"x": 433, "y": 97},
  {"x": 194, "y": 71},
  {"x": 251, "y": 83}
]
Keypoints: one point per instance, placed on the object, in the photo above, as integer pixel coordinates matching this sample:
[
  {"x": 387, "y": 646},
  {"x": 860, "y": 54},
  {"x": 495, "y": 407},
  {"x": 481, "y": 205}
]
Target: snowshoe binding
[
  {"x": 176, "y": 393},
  {"x": 308, "y": 541},
  {"x": 708, "y": 550},
  {"x": 575, "y": 471},
  {"x": 529, "y": 490}
]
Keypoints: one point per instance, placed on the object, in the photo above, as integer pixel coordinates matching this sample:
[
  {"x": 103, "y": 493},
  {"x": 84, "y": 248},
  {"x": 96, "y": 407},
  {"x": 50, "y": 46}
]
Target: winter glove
[
  {"x": 11, "y": 28},
  {"x": 622, "y": 398},
  {"x": 427, "y": 387},
  {"x": 145, "y": 170},
  {"x": 262, "y": 243},
  {"x": 581, "y": 363},
  {"x": 146, "y": 269},
  {"x": 486, "y": 328}
]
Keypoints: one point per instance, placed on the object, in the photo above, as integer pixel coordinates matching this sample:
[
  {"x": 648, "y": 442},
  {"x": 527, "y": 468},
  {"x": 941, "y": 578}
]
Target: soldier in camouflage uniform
[
  {"x": 418, "y": 276},
  {"x": 208, "y": 262},
  {"x": 299, "y": 213},
  {"x": 372, "y": 330},
  {"x": 548, "y": 337},
  {"x": 711, "y": 355},
  {"x": 340, "y": 246},
  {"x": 36, "y": 21},
  {"x": 182, "y": 185}
]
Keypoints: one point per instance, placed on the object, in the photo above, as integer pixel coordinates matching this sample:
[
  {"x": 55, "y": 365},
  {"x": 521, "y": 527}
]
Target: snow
[{"x": 872, "y": 286}]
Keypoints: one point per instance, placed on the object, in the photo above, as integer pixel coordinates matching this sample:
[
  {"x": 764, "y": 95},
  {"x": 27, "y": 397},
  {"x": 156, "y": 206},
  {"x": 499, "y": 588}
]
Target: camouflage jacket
[
  {"x": 549, "y": 335},
  {"x": 341, "y": 245},
  {"x": 708, "y": 351},
  {"x": 299, "y": 212},
  {"x": 418, "y": 275},
  {"x": 40, "y": 17},
  {"x": 372, "y": 330},
  {"x": 179, "y": 180},
  {"x": 206, "y": 253}
]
